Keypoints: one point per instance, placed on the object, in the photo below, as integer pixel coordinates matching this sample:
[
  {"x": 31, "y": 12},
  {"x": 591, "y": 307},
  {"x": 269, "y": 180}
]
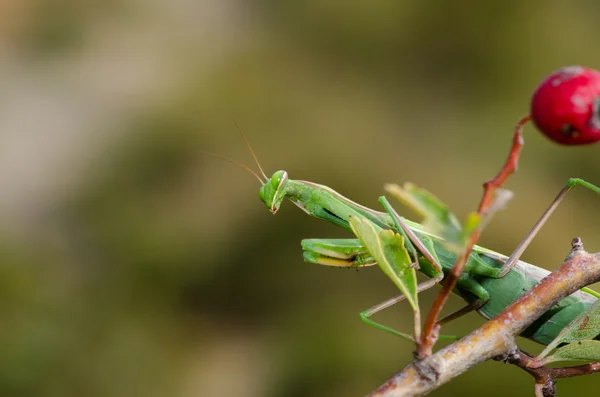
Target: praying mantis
[{"x": 490, "y": 281}]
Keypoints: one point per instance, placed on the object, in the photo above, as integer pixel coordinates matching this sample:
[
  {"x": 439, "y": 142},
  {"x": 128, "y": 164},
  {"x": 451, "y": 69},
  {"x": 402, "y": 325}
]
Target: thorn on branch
[
  {"x": 545, "y": 389},
  {"x": 577, "y": 245},
  {"x": 509, "y": 357}
]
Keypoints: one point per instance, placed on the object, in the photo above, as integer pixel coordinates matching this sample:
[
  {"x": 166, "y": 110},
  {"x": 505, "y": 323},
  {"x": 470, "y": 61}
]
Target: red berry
[{"x": 566, "y": 106}]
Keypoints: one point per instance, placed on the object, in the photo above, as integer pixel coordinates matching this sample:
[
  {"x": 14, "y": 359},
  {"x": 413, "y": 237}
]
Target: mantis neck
[{"x": 325, "y": 203}]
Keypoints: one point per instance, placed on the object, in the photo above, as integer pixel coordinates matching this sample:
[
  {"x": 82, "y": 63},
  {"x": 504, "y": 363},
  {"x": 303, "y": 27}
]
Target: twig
[
  {"x": 544, "y": 377},
  {"x": 431, "y": 329},
  {"x": 496, "y": 337}
]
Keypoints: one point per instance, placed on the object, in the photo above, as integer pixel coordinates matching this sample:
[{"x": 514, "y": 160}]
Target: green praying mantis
[{"x": 489, "y": 283}]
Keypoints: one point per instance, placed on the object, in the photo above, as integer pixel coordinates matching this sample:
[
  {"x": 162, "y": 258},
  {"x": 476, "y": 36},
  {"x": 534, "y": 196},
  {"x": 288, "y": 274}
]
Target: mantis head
[{"x": 273, "y": 191}]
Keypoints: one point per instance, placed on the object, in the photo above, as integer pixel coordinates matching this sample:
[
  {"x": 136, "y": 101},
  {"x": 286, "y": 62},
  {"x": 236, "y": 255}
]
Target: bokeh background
[{"x": 134, "y": 265}]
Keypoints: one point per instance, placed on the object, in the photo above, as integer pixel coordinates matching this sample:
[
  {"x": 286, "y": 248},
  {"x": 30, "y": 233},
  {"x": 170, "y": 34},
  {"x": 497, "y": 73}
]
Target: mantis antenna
[
  {"x": 238, "y": 164},
  {"x": 249, "y": 147}
]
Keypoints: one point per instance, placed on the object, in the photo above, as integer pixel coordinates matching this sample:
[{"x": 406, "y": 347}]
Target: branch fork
[{"x": 497, "y": 337}]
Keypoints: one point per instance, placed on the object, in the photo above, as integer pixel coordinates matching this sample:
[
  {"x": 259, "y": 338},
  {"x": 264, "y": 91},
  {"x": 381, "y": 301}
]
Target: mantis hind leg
[
  {"x": 365, "y": 316},
  {"x": 470, "y": 285},
  {"x": 477, "y": 297},
  {"x": 475, "y": 305},
  {"x": 514, "y": 258}
]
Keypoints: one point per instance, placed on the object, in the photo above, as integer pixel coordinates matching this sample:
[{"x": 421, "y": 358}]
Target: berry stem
[{"x": 431, "y": 328}]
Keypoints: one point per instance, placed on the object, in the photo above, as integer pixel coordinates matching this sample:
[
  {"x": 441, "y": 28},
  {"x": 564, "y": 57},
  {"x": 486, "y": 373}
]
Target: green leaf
[
  {"x": 471, "y": 224},
  {"x": 437, "y": 218},
  {"x": 583, "y": 327},
  {"x": 387, "y": 248},
  {"x": 585, "y": 350}
]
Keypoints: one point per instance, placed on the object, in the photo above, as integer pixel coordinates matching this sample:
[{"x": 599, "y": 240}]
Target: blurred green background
[{"x": 134, "y": 265}]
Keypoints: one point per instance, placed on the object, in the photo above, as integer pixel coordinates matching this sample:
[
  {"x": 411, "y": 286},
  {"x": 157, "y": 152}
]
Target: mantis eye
[
  {"x": 275, "y": 180},
  {"x": 283, "y": 181},
  {"x": 279, "y": 179}
]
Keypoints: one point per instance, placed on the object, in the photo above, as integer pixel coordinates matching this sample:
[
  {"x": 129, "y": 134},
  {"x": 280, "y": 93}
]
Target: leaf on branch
[
  {"x": 437, "y": 217},
  {"x": 387, "y": 248},
  {"x": 500, "y": 201},
  {"x": 586, "y": 326},
  {"x": 584, "y": 350}
]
